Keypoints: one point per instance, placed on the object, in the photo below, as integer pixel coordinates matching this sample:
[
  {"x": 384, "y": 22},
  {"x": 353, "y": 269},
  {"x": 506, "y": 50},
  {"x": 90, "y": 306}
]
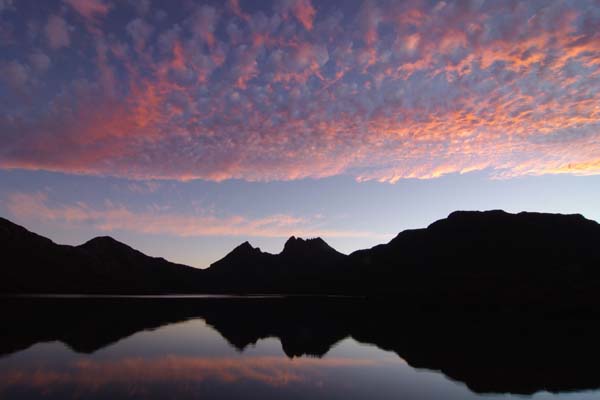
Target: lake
[{"x": 284, "y": 348}]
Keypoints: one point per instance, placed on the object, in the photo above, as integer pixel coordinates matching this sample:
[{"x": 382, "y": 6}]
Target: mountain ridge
[
  {"x": 486, "y": 255},
  {"x": 100, "y": 265}
]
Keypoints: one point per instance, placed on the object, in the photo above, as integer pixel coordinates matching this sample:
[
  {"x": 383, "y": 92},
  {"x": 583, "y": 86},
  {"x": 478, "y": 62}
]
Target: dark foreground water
[{"x": 220, "y": 348}]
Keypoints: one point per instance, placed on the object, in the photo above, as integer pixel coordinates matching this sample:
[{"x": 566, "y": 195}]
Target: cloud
[
  {"x": 139, "y": 30},
  {"x": 143, "y": 187},
  {"x": 57, "y": 32},
  {"x": 6, "y": 5},
  {"x": 89, "y": 9},
  {"x": 6, "y": 34},
  {"x": 40, "y": 61},
  {"x": 305, "y": 12},
  {"x": 386, "y": 91},
  {"x": 158, "y": 220},
  {"x": 142, "y": 7},
  {"x": 14, "y": 74},
  {"x": 203, "y": 23}
]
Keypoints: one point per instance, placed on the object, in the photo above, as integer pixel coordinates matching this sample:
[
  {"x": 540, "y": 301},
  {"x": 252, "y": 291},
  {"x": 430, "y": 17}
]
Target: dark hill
[
  {"x": 489, "y": 257},
  {"x": 34, "y": 264}
]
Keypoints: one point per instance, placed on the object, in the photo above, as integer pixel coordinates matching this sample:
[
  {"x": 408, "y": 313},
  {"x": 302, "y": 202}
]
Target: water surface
[{"x": 226, "y": 348}]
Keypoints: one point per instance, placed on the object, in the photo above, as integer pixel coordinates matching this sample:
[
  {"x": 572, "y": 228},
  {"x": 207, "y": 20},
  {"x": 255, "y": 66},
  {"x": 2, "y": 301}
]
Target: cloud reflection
[{"x": 91, "y": 375}]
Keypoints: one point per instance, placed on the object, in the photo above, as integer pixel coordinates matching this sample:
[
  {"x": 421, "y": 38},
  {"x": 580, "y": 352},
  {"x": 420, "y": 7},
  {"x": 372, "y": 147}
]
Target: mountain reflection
[{"x": 510, "y": 355}]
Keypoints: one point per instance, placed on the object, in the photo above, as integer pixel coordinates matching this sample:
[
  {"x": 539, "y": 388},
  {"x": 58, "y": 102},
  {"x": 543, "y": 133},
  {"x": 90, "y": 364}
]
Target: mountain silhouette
[
  {"x": 298, "y": 248},
  {"x": 304, "y": 266},
  {"x": 34, "y": 264},
  {"x": 489, "y": 260}
]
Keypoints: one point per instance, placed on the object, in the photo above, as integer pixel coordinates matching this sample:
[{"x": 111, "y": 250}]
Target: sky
[{"x": 184, "y": 128}]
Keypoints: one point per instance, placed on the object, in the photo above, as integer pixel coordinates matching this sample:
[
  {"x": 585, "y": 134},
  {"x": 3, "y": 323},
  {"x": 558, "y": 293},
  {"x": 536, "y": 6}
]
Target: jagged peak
[
  {"x": 295, "y": 244},
  {"x": 243, "y": 252},
  {"x": 246, "y": 244},
  {"x": 294, "y": 239},
  {"x": 245, "y": 248}
]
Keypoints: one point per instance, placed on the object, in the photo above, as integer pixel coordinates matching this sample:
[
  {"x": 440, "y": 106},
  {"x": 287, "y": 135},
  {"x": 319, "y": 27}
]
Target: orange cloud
[{"x": 305, "y": 12}]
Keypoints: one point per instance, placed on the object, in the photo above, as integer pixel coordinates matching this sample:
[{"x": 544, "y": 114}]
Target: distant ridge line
[{"x": 478, "y": 257}]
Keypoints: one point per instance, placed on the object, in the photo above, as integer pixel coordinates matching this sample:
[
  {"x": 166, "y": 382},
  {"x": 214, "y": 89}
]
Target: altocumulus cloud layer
[{"x": 292, "y": 89}]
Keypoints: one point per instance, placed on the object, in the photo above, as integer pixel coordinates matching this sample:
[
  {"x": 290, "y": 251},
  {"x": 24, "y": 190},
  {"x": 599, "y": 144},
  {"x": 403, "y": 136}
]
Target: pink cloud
[
  {"x": 395, "y": 90},
  {"x": 234, "y": 6},
  {"x": 89, "y": 8},
  {"x": 57, "y": 32},
  {"x": 305, "y": 12},
  {"x": 157, "y": 220}
]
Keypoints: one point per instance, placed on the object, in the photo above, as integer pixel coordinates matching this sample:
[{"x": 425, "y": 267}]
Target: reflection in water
[
  {"x": 284, "y": 348},
  {"x": 88, "y": 373}
]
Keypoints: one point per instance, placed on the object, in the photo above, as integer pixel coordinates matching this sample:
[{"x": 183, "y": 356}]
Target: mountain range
[{"x": 489, "y": 259}]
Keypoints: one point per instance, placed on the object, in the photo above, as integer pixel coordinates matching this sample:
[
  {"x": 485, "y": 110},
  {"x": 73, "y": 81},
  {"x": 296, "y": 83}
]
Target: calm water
[{"x": 220, "y": 349}]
